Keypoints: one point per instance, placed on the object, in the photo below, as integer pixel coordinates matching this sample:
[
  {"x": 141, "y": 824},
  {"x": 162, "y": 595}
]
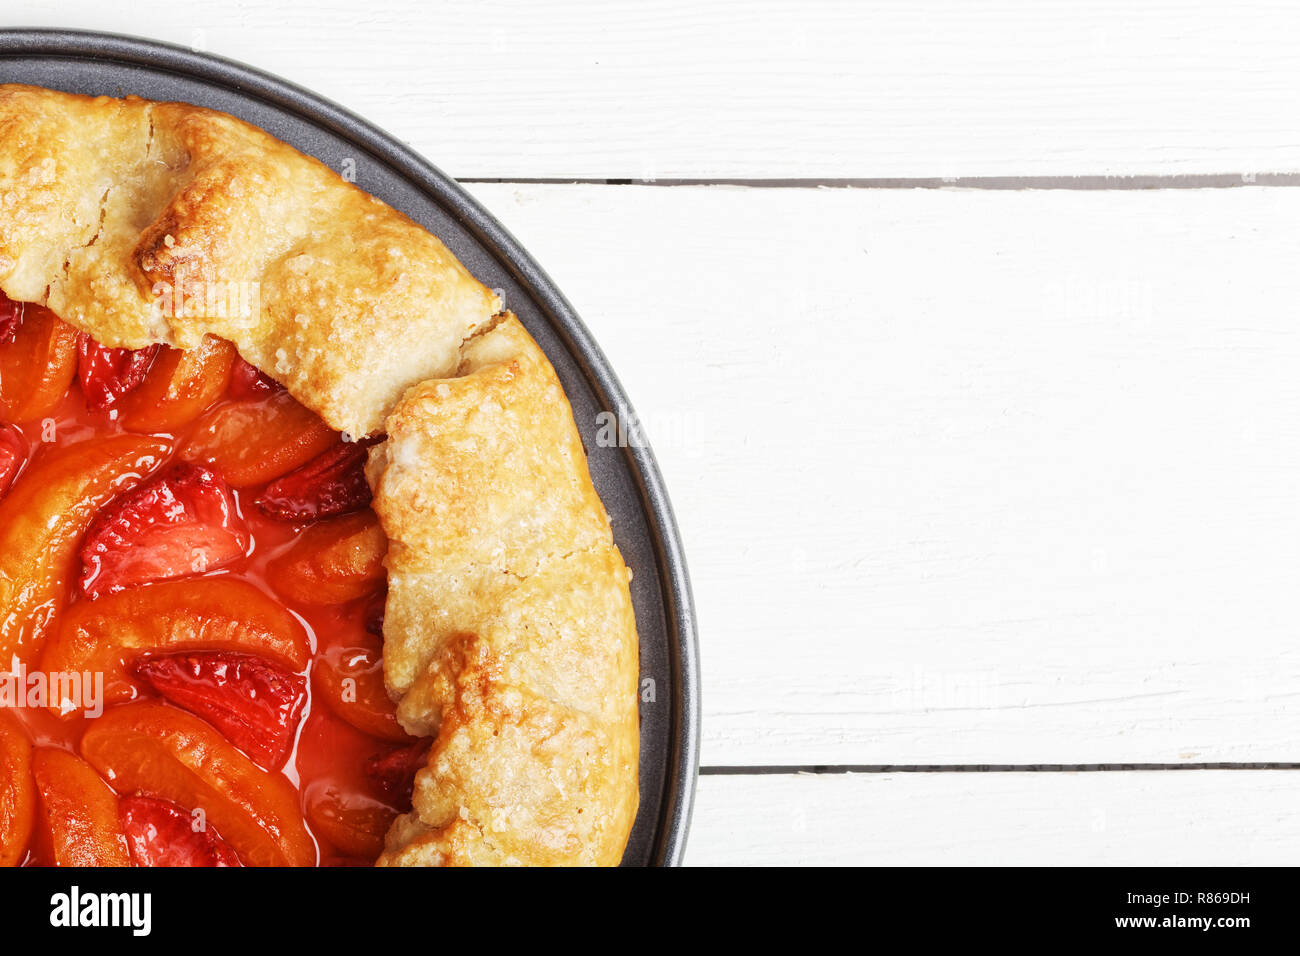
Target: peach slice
[
  {"x": 252, "y": 442},
  {"x": 203, "y": 614},
  {"x": 179, "y": 387},
  {"x": 38, "y": 366},
  {"x": 336, "y": 561},
  {"x": 160, "y": 751},
  {"x": 353, "y": 823},
  {"x": 350, "y": 682},
  {"x": 17, "y": 791},
  {"x": 13, "y": 452},
  {"x": 42, "y": 519},
  {"x": 78, "y": 811}
]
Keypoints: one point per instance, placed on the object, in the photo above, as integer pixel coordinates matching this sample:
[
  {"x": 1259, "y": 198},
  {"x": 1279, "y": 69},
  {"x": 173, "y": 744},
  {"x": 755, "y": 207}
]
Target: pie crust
[{"x": 509, "y": 632}]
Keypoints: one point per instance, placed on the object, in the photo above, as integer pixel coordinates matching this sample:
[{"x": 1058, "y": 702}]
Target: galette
[{"x": 301, "y": 562}]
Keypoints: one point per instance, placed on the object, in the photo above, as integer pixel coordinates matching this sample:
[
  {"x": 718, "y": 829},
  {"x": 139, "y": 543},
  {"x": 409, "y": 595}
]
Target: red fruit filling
[{"x": 182, "y": 523}]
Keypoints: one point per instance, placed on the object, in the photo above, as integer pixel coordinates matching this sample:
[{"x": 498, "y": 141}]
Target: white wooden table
[{"x": 972, "y": 473}]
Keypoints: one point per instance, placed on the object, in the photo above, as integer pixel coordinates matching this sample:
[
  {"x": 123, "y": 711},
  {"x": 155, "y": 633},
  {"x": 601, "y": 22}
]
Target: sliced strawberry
[
  {"x": 11, "y": 316},
  {"x": 332, "y": 484},
  {"x": 183, "y": 522},
  {"x": 12, "y": 454},
  {"x": 108, "y": 374},
  {"x": 393, "y": 774},
  {"x": 254, "y": 703},
  {"x": 246, "y": 381},
  {"x": 161, "y": 833}
]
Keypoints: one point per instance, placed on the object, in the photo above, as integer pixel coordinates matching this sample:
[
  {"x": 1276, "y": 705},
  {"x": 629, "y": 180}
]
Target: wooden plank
[
  {"x": 1182, "y": 818},
  {"x": 778, "y": 89},
  {"x": 965, "y": 476}
]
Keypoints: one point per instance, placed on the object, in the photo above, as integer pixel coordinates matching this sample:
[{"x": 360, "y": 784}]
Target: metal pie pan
[{"x": 627, "y": 478}]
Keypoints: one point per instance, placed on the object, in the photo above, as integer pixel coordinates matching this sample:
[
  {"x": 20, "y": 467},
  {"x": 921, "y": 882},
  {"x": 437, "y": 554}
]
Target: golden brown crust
[
  {"x": 511, "y": 616},
  {"x": 509, "y": 632},
  {"x": 160, "y": 222}
]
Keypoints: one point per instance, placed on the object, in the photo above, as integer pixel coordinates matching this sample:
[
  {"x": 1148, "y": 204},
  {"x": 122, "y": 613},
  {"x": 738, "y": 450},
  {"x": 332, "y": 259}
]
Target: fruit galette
[{"x": 300, "y": 560}]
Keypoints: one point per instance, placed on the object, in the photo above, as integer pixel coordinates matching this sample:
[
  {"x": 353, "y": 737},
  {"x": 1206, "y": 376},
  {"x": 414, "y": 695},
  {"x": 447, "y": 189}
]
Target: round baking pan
[{"x": 627, "y": 478}]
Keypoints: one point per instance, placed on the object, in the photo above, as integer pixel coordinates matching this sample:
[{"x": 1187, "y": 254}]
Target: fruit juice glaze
[{"x": 348, "y": 784}]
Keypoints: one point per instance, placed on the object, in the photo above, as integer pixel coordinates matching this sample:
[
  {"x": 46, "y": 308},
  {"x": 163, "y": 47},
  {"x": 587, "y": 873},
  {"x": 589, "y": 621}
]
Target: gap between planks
[
  {"x": 815, "y": 769},
  {"x": 1098, "y": 182}
]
